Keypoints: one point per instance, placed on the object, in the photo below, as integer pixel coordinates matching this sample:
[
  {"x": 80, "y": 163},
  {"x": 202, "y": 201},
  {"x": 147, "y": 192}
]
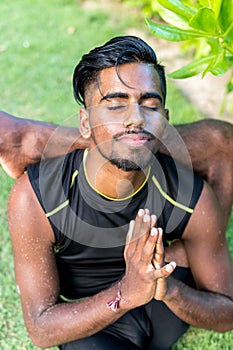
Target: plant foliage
[{"x": 207, "y": 26}]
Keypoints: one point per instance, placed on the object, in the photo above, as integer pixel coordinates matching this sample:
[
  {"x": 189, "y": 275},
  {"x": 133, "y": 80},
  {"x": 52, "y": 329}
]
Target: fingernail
[
  {"x": 160, "y": 230},
  {"x": 173, "y": 263},
  {"x": 153, "y": 231},
  {"x": 140, "y": 212},
  {"x": 146, "y": 218},
  {"x": 154, "y": 217},
  {"x": 170, "y": 267}
]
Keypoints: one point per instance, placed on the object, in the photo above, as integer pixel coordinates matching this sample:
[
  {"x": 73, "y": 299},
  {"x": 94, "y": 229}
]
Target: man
[{"x": 81, "y": 285}]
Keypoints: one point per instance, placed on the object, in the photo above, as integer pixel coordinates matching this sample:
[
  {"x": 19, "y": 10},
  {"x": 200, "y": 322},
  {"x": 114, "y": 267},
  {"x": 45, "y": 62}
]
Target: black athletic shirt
[{"x": 90, "y": 229}]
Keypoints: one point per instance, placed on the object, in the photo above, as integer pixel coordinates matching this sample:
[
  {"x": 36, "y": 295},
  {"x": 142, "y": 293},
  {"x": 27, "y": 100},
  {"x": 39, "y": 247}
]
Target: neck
[{"x": 110, "y": 181}]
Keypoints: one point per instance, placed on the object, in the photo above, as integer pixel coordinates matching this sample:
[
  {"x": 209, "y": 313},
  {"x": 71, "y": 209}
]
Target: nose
[{"x": 134, "y": 117}]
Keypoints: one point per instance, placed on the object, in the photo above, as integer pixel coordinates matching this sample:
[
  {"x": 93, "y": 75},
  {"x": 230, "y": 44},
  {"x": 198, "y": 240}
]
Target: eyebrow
[
  {"x": 154, "y": 95},
  {"x": 114, "y": 95},
  {"x": 123, "y": 95}
]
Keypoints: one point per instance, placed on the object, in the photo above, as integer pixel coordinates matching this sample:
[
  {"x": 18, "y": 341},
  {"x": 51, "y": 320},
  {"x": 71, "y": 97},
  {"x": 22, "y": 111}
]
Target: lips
[{"x": 136, "y": 139}]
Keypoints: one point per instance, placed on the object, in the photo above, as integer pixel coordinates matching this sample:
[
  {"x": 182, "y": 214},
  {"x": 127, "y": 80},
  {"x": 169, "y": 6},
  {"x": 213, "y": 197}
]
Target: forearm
[
  {"x": 66, "y": 322},
  {"x": 200, "y": 309}
]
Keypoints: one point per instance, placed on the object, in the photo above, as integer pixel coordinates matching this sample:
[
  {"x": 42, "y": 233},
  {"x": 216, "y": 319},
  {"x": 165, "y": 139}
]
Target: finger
[
  {"x": 158, "y": 256},
  {"x": 147, "y": 211},
  {"x": 130, "y": 232},
  {"x": 135, "y": 229},
  {"x": 169, "y": 268},
  {"x": 159, "y": 243},
  {"x": 153, "y": 217},
  {"x": 142, "y": 224},
  {"x": 165, "y": 271},
  {"x": 146, "y": 227},
  {"x": 149, "y": 246},
  {"x": 143, "y": 234},
  {"x": 153, "y": 220},
  {"x": 159, "y": 250},
  {"x": 129, "y": 237}
]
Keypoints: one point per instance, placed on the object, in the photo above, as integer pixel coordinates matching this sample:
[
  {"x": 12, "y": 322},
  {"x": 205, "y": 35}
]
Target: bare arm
[
  {"x": 37, "y": 276},
  {"x": 211, "y": 305},
  {"x": 24, "y": 141},
  {"x": 210, "y": 145}
]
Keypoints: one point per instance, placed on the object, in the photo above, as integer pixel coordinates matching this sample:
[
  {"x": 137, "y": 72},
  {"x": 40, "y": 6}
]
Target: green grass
[{"x": 40, "y": 43}]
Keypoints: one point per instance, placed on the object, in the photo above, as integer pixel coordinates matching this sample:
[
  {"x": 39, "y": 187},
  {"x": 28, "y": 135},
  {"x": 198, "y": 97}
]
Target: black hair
[{"x": 117, "y": 51}]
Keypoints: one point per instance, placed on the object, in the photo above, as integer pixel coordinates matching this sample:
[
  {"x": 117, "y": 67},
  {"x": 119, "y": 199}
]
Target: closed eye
[
  {"x": 116, "y": 107},
  {"x": 150, "y": 108}
]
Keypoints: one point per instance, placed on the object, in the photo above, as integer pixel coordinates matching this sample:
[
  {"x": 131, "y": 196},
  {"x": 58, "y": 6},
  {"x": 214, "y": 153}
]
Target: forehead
[{"x": 133, "y": 79}]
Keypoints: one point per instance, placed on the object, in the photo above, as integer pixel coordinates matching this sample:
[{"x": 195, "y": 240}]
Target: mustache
[{"x": 135, "y": 132}]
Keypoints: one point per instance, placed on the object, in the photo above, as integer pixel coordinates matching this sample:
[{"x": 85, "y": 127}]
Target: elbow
[
  {"x": 223, "y": 325},
  {"x": 40, "y": 341},
  {"x": 225, "y": 322},
  {"x": 40, "y": 336},
  {"x": 224, "y": 328}
]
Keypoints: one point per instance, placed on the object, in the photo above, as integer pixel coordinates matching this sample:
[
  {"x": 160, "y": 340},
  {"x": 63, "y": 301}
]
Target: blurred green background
[{"x": 40, "y": 44}]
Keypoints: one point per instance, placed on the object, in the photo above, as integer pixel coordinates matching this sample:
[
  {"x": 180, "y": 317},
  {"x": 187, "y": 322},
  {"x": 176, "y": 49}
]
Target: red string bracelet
[{"x": 114, "y": 303}]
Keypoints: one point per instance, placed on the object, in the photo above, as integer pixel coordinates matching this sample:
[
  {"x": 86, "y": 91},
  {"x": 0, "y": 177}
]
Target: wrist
[
  {"x": 172, "y": 291},
  {"x": 120, "y": 302}
]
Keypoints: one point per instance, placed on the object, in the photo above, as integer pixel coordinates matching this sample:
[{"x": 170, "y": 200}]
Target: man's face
[{"x": 126, "y": 115}]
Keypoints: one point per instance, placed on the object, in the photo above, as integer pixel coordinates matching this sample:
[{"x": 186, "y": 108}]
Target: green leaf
[
  {"x": 219, "y": 66},
  {"x": 205, "y": 20},
  {"x": 173, "y": 18},
  {"x": 191, "y": 69},
  {"x": 225, "y": 17},
  {"x": 229, "y": 59},
  {"x": 228, "y": 39},
  {"x": 202, "y": 48},
  {"x": 177, "y": 7},
  {"x": 171, "y": 33},
  {"x": 204, "y": 3},
  {"x": 215, "y": 46},
  {"x": 220, "y": 69},
  {"x": 229, "y": 87},
  {"x": 215, "y": 5}
]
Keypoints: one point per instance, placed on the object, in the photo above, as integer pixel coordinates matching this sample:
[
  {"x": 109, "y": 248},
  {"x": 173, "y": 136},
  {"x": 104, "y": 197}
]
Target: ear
[
  {"x": 167, "y": 114},
  {"x": 166, "y": 130},
  {"x": 84, "y": 125}
]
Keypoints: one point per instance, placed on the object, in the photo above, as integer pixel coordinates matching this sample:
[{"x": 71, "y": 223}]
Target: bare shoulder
[
  {"x": 22, "y": 199},
  {"x": 21, "y": 190},
  {"x": 25, "y": 213},
  {"x": 207, "y": 214}
]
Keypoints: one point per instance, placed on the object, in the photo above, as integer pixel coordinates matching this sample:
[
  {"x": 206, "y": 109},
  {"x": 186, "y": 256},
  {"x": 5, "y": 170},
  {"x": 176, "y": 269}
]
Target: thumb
[{"x": 165, "y": 271}]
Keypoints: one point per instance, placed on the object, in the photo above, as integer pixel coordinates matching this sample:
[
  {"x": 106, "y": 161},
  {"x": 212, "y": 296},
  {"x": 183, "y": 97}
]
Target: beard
[
  {"x": 135, "y": 160},
  {"x": 132, "y": 162},
  {"x": 125, "y": 164}
]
